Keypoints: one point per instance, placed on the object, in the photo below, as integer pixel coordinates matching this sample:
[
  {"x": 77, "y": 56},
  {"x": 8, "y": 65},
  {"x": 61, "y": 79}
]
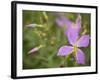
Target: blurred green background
[{"x": 52, "y": 37}]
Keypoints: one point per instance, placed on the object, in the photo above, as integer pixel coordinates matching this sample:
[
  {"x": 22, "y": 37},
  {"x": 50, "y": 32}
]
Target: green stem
[{"x": 65, "y": 59}]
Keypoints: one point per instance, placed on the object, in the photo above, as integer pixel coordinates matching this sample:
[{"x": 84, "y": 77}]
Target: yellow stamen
[{"x": 75, "y": 49}]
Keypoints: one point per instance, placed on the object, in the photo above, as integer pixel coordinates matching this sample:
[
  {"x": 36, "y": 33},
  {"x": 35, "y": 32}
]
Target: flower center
[{"x": 75, "y": 49}]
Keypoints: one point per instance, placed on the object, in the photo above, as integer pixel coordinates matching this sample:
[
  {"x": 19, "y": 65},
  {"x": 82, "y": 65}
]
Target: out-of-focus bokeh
[{"x": 47, "y": 33}]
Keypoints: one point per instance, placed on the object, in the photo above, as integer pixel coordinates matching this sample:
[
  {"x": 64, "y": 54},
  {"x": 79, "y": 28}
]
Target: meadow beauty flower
[
  {"x": 76, "y": 41},
  {"x": 62, "y": 21}
]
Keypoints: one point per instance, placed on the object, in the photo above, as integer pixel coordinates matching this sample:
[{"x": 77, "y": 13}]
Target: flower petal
[
  {"x": 65, "y": 50},
  {"x": 78, "y": 23},
  {"x": 63, "y": 21},
  {"x": 80, "y": 57},
  {"x": 72, "y": 31},
  {"x": 60, "y": 22},
  {"x": 83, "y": 41},
  {"x": 72, "y": 36}
]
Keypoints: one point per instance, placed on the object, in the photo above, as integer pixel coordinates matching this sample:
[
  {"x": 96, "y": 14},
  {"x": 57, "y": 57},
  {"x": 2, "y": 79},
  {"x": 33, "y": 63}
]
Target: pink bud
[{"x": 33, "y": 50}]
